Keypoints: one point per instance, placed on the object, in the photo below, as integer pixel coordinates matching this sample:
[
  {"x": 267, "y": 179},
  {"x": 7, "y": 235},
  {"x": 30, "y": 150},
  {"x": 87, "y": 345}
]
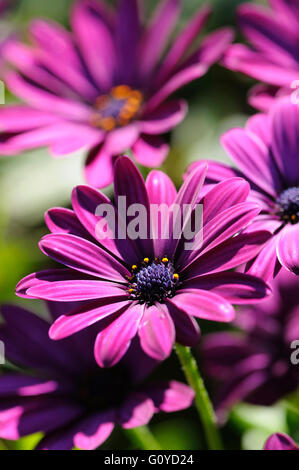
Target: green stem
[
  {"x": 143, "y": 438},
  {"x": 202, "y": 399}
]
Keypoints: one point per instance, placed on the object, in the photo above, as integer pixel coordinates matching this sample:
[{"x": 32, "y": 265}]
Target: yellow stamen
[
  {"x": 131, "y": 291},
  {"x": 121, "y": 92},
  {"x": 134, "y": 267},
  {"x": 293, "y": 217},
  {"x": 108, "y": 123},
  {"x": 165, "y": 260},
  {"x": 176, "y": 276},
  {"x": 146, "y": 260}
]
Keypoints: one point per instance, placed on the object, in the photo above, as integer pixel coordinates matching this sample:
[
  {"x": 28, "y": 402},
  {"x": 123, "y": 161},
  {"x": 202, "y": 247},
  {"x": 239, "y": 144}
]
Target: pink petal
[
  {"x": 82, "y": 255},
  {"x": 150, "y": 150},
  {"x": 167, "y": 116},
  {"x": 83, "y": 317},
  {"x": 113, "y": 342},
  {"x": 288, "y": 248},
  {"x": 156, "y": 332},
  {"x": 203, "y": 304},
  {"x": 94, "y": 430},
  {"x": 136, "y": 411}
]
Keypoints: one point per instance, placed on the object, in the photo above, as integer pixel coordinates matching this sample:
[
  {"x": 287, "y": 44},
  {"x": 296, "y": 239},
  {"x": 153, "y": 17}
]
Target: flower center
[
  {"x": 153, "y": 282},
  {"x": 116, "y": 109},
  {"x": 288, "y": 203}
]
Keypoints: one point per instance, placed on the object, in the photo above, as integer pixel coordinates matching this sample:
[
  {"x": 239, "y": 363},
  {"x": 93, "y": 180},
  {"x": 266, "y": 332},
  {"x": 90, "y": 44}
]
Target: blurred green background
[{"x": 34, "y": 182}]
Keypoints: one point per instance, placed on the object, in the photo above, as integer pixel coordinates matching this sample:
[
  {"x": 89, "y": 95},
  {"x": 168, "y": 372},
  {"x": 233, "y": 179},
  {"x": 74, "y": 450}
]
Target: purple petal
[
  {"x": 230, "y": 254},
  {"x": 224, "y": 226},
  {"x": 186, "y": 328},
  {"x": 150, "y": 150},
  {"x": 211, "y": 49},
  {"x": 94, "y": 430},
  {"x": 240, "y": 58},
  {"x": 60, "y": 220},
  {"x": 280, "y": 441},
  {"x": 183, "y": 42},
  {"x": 121, "y": 139},
  {"x": 254, "y": 159},
  {"x": 74, "y": 291},
  {"x": 49, "y": 416},
  {"x": 129, "y": 182},
  {"x": 236, "y": 288},
  {"x": 173, "y": 396},
  {"x": 113, "y": 342},
  {"x": 24, "y": 385},
  {"x": 137, "y": 410},
  {"x": 83, "y": 317},
  {"x": 164, "y": 118},
  {"x": 82, "y": 255},
  {"x": 95, "y": 41},
  {"x": 157, "y": 34},
  {"x": 285, "y": 121},
  {"x": 269, "y": 34},
  {"x": 203, "y": 304},
  {"x": 161, "y": 190},
  {"x": 12, "y": 118},
  {"x": 288, "y": 248},
  {"x": 266, "y": 264},
  {"x": 156, "y": 332},
  {"x": 86, "y": 201},
  {"x": 127, "y": 39},
  {"x": 46, "y": 277},
  {"x": 98, "y": 169}
]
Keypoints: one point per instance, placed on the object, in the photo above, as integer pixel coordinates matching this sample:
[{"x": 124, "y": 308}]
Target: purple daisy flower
[
  {"x": 104, "y": 87},
  {"x": 273, "y": 55},
  {"x": 266, "y": 152},
  {"x": 280, "y": 441},
  {"x": 151, "y": 286},
  {"x": 255, "y": 364},
  {"x": 66, "y": 395}
]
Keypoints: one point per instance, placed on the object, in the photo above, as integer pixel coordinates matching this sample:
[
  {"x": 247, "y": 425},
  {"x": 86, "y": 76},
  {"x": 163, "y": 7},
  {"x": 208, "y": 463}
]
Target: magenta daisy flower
[
  {"x": 273, "y": 55},
  {"x": 65, "y": 395},
  {"x": 104, "y": 87},
  {"x": 258, "y": 364},
  {"x": 280, "y": 441},
  {"x": 150, "y": 286},
  {"x": 266, "y": 152}
]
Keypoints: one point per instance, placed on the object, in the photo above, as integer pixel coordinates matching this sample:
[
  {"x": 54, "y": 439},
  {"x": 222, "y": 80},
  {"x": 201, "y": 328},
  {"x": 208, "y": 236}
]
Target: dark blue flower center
[
  {"x": 117, "y": 108},
  {"x": 153, "y": 282},
  {"x": 288, "y": 203}
]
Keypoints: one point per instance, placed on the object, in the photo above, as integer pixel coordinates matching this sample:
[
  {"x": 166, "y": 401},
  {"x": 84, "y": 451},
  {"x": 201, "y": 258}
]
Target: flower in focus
[
  {"x": 266, "y": 153},
  {"x": 273, "y": 55},
  {"x": 280, "y": 441},
  {"x": 104, "y": 87},
  {"x": 255, "y": 364},
  {"x": 152, "y": 286},
  {"x": 65, "y": 395}
]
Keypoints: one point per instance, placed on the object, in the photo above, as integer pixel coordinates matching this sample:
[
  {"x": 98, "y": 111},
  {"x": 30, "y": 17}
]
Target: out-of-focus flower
[
  {"x": 104, "y": 87},
  {"x": 266, "y": 152},
  {"x": 280, "y": 441},
  {"x": 273, "y": 55},
  {"x": 5, "y": 5},
  {"x": 152, "y": 285},
  {"x": 60, "y": 391},
  {"x": 255, "y": 364}
]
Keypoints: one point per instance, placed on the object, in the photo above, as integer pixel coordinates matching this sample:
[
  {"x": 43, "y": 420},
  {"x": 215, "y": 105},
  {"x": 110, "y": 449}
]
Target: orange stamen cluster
[{"x": 116, "y": 109}]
